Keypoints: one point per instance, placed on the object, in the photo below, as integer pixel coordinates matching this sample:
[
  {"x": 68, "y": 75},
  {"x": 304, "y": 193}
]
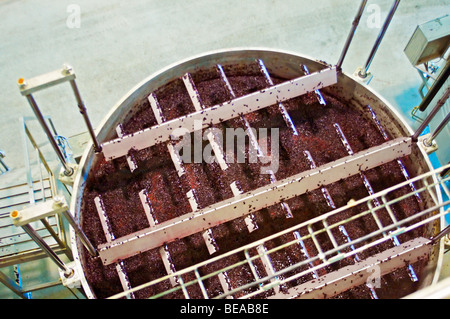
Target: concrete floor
[{"x": 118, "y": 44}]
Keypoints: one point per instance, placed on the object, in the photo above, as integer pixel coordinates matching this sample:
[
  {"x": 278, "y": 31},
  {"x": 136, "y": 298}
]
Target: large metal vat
[{"x": 280, "y": 64}]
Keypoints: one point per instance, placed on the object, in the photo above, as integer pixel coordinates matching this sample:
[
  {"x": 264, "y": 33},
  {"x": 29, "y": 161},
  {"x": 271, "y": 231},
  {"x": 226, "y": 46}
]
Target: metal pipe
[
  {"x": 68, "y": 171},
  {"x": 12, "y": 285},
  {"x": 81, "y": 235},
  {"x": 445, "y": 171},
  {"x": 41, "y": 243},
  {"x": 351, "y": 34},
  {"x": 83, "y": 111},
  {"x": 55, "y": 236},
  {"x": 363, "y": 72},
  {"x": 429, "y": 141},
  {"x": 438, "y": 83},
  {"x": 430, "y": 116},
  {"x": 441, "y": 235}
]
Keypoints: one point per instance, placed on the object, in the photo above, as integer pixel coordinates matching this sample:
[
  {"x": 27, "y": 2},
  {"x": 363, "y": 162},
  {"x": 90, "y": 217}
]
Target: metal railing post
[
  {"x": 50, "y": 253},
  {"x": 351, "y": 34},
  {"x": 363, "y": 72},
  {"x": 83, "y": 112}
]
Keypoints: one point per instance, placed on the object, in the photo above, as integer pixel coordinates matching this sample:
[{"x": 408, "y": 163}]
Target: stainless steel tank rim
[{"x": 85, "y": 164}]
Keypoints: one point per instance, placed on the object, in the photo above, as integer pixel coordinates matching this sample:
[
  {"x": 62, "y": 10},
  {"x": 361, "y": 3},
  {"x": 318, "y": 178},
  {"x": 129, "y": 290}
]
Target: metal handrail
[{"x": 327, "y": 257}]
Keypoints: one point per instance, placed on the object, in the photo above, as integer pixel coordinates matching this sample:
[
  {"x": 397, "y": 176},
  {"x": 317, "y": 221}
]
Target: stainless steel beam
[
  {"x": 83, "y": 112},
  {"x": 219, "y": 113}
]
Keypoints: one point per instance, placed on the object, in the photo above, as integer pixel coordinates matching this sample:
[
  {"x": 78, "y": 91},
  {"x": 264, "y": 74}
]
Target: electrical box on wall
[{"x": 429, "y": 41}]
